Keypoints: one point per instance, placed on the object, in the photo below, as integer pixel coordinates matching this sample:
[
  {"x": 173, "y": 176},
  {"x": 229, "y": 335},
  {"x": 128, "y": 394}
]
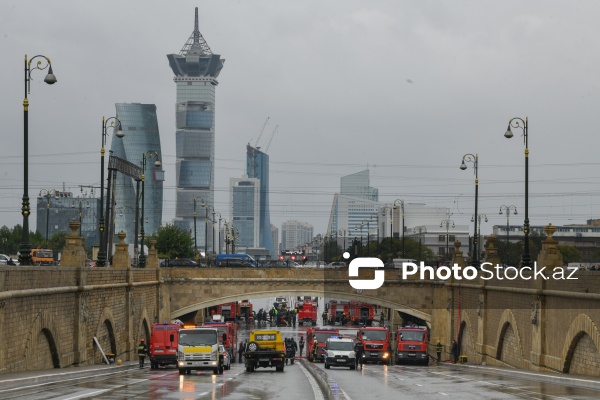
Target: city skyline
[{"x": 447, "y": 81}]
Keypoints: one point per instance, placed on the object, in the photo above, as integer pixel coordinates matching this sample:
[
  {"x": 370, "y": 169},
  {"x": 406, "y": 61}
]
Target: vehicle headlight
[
  {"x": 386, "y": 354},
  {"x": 213, "y": 356},
  {"x": 180, "y": 356},
  {"x": 352, "y": 355},
  {"x": 330, "y": 354}
]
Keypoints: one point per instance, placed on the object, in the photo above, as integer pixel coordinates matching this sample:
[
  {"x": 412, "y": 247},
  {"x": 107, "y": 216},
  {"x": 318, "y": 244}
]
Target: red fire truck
[
  {"x": 227, "y": 311},
  {"x": 227, "y": 331},
  {"x": 338, "y": 312},
  {"x": 362, "y": 313},
  {"x": 376, "y": 342},
  {"x": 321, "y": 334},
  {"x": 163, "y": 344},
  {"x": 245, "y": 311},
  {"x": 411, "y": 344},
  {"x": 307, "y": 310}
]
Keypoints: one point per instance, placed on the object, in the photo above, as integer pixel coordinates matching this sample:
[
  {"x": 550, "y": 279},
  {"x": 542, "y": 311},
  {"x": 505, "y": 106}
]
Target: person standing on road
[
  {"x": 438, "y": 350},
  {"x": 142, "y": 350},
  {"x": 454, "y": 352},
  {"x": 241, "y": 350},
  {"x": 358, "y": 353},
  {"x": 301, "y": 345}
]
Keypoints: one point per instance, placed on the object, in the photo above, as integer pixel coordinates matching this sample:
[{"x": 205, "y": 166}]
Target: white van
[{"x": 340, "y": 353}]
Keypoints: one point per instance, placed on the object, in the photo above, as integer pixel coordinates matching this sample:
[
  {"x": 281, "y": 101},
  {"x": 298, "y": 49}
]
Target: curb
[
  {"x": 323, "y": 380},
  {"x": 10, "y": 380},
  {"x": 578, "y": 380}
]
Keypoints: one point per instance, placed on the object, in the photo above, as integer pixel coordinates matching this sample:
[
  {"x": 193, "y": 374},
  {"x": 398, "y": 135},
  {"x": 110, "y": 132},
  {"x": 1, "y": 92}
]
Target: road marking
[
  {"x": 443, "y": 394},
  {"x": 313, "y": 383},
  {"x": 345, "y": 394},
  {"x": 416, "y": 384},
  {"x": 87, "y": 394}
]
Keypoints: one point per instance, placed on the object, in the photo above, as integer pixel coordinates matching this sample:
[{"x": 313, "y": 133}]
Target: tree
[
  {"x": 569, "y": 254},
  {"x": 57, "y": 242},
  {"x": 173, "y": 242}
]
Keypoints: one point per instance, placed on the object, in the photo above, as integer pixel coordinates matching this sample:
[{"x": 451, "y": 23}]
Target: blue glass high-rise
[{"x": 257, "y": 166}]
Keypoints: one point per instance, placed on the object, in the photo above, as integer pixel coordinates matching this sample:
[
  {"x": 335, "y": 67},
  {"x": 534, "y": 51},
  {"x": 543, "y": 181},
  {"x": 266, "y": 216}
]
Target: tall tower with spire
[{"x": 196, "y": 69}]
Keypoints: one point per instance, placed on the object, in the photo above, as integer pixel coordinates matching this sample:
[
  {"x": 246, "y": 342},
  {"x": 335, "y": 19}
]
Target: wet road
[
  {"x": 443, "y": 382},
  {"x": 295, "y": 383}
]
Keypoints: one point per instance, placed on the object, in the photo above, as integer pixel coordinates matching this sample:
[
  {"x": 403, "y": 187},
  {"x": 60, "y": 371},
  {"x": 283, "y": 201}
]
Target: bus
[{"x": 235, "y": 260}]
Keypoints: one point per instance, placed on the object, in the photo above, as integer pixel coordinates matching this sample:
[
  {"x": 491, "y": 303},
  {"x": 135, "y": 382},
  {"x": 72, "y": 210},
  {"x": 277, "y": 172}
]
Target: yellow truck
[
  {"x": 198, "y": 349},
  {"x": 42, "y": 257},
  {"x": 265, "y": 348}
]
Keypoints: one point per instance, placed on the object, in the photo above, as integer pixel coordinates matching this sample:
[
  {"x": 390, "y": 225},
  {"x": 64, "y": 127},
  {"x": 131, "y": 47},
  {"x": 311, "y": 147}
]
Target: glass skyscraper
[
  {"x": 196, "y": 70},
  {"x": 257, "y": 166},
  {"x": 140, "y": 125},
  {"x": 245, "y": 198}
]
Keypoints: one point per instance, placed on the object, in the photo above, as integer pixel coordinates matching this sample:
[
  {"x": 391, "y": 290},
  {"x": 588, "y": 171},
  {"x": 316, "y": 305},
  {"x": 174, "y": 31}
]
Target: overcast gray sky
[{"x": 403, "y": 87}]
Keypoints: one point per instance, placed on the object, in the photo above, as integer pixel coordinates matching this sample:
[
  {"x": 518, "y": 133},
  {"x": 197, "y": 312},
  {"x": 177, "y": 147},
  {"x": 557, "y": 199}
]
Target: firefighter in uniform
[
  {"x": 142, "y": 350},
  {"x": 438, "y": 350}
]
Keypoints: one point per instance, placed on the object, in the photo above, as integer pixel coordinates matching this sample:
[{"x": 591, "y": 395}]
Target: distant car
[
  {"x": 6, "y": 260},
  {"x": 226, "y": 357},
  {"x": 179, "y": 262},
  {"x": 90, "y": 263}
]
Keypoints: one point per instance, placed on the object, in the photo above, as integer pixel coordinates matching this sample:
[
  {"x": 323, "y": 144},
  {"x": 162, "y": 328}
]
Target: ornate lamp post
[
  {"x": 479, "y": 218},
  {"x": 207, "y": 207},
  {"x": 522, "y": 124},
  {"x": 473, "y": 159},
  {"x": 101, "y": 262},
  {"x": 220, "y": 218},
  {"x": 446, "y": 223},
  {"x": 148, "y": 154},
  {"x": 47, "y": 193},
  {"x": 507, "y": 210},
  {"x": 420, "y": 229},
  {"x": 25, "y": 245},
  {"x": 87, "y": 205}
]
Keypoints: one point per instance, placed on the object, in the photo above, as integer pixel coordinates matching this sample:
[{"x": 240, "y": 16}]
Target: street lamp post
[
  {"x": 421, "y": 229},
  {"x": 522, "y": 124},
  {"x": 213, "y": 228},
  {"x": 368, "y": 234},
  {"x": 101, "y": 262},
  {"x": 400, "y": 203},
  {"x": 479, "y": 218},
  {"x": 47, "y": 193},
  {"x": 220, "y": 218},
  {"x": 507, "y": 210},
  {"x": 148, "y": 154},
  {"x": 25, "y": 245},
  {"x": 390, "y": 209},
  {"x": 195, "y": 231},
  {"x": 446, "y": 222},
  {"x": 207, "y": 207},
  {"x": 473, "y": 159},
  {"x": 361, "y": 243},
  {"x": 87, "y": 205}
]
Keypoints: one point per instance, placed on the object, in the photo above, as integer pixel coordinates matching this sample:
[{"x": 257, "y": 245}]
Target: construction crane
[
  {"x": 261, "y": 132},
  {"x": 271, "y": 138}
]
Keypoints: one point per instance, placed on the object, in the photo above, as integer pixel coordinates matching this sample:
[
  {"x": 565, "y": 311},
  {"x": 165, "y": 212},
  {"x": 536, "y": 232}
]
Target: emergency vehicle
[
  {"x": 411, "y": 344},
  {"x": 307, "y": 310},
  {"x": 338, "y": 312},
  {"x": 376, "y": 344},
  {"x": 163, "y": 344},
  {"x": 361, "y": 313},
  {"x": 227, "y": 331},
  {"x": 321, "y": 334},
  {"x": 245, "y": 311}
]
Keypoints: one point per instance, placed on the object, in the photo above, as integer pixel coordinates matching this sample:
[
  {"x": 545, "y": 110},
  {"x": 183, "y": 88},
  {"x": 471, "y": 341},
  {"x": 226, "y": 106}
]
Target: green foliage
[
  {"x": 173, "y": 242},
  {"x": 57, "y": 242},
  {"x": 570, "y": 254}
]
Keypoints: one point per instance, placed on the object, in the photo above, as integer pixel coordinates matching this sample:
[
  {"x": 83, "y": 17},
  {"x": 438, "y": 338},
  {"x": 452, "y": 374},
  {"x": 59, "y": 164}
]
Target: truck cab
[
  {"x": 376, "y": 344},
  {"x": 42, "y": 257},
  {"x": 163, "y": 344},
  {"x": 198, "y": 348},
  {"x": 265, "y": 348},
  {"x": 411, "y": 344},
  {"x": 321, "y": 334}
]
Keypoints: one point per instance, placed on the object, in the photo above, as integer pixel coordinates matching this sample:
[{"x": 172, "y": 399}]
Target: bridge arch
[
  {"x": 465, "y": 338},
  {"x": 583, "y": 331},
  {"x": 105, "y": 331},
  {"x": 143, "y": 330},
  {"x": 302, "y": 292},
  {"x": 41, "y": 347},
  {"x": 509, "y": 348}
]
